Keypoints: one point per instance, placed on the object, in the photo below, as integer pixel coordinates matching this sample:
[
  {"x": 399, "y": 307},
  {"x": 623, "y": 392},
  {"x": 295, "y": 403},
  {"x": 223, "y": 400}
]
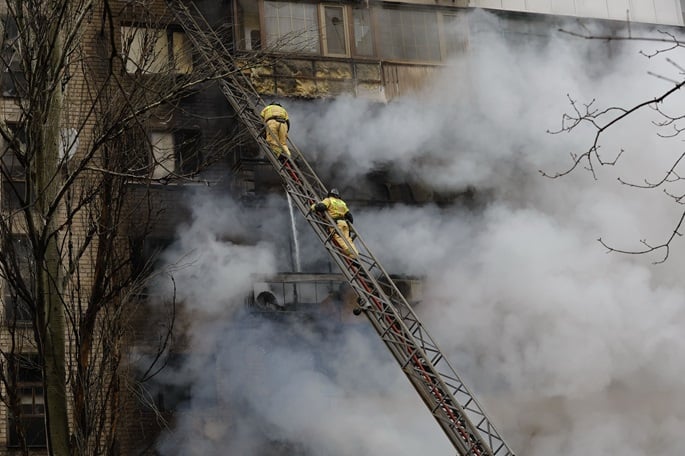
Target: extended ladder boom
[{"x": 447, "y": 398}]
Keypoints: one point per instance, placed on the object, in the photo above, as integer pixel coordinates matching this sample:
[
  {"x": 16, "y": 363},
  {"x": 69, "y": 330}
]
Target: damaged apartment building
[{"x": 308, "y": 53}]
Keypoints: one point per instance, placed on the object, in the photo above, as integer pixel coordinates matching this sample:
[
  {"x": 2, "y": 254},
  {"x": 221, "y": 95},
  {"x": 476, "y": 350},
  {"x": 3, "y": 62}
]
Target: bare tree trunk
[{"x": 53, "y": 330}]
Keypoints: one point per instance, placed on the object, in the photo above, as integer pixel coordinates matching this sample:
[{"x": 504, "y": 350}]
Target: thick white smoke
[{"x": 572, "y": 351}]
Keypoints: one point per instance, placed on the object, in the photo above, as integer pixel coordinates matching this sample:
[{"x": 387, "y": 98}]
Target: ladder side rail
[
  {"x": 441, "y": 364},
  {"x": 458, "y": 435},
  {"x": 383, "y": 304},
  {"x": 412, "y": 359},
  {"x": 458, "y": 389},
  {"x": 402, "y": 345},
  {"x": 443, "y": 368},
  {"x": 450, "y": 416},
  {"x": 424, "y": 340}
]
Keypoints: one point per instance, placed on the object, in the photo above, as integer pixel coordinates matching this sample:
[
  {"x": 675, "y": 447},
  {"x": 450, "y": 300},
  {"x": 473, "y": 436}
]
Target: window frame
[
  {"x": 423, "y": 30},
  {"x": 183, "y": 158},
  {"x": 372, "y": 32},
  {"x": 323, "y": 30},
  {"x": 27, "y": 366},
  {"x": 266, "y": 41}
]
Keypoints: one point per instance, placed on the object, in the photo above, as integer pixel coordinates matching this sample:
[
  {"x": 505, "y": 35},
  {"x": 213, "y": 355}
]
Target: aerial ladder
[{"x": 447, "y": 398}]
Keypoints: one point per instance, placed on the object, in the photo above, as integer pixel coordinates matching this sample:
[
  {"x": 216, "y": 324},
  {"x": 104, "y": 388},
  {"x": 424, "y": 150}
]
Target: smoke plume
[{"x": 571, "y": 351}]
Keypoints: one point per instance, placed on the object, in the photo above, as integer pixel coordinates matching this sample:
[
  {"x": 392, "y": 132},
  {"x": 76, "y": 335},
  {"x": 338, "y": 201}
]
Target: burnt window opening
[
  {"x": 150, "y": 50},
  {"x": 146, "y": 253},
  {"x": 146, "y": 257},
  {"x": 175, "y": 153}
]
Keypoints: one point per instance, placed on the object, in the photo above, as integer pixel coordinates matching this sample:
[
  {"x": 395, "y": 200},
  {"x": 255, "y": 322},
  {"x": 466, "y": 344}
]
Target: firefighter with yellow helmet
[
  {"x": 337, "y": 209},
  {"x": 277, "y": 125}
]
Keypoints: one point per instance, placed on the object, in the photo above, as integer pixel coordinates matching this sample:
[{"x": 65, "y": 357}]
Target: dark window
[
  {"x": 12, "y": 78},
  {"x": 17, "y": 309},
  {"x": 29, "y": 419},
  {"x": 14, "y": 193},
  {"x": 14, "y": 189},
  {"x": 188, "y": 156},
  {"x": 170, "y": 395},
  {"x": 17, "y": 289},
  {"x": 255, "y": 39},
  {"x": 146, "y": 258}
]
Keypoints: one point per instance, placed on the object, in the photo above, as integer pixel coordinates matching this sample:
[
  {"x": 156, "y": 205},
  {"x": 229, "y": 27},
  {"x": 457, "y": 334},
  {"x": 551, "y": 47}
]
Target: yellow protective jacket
[
  {"x": 275, "y": 112},
  {"x": 335, "y": 206}
]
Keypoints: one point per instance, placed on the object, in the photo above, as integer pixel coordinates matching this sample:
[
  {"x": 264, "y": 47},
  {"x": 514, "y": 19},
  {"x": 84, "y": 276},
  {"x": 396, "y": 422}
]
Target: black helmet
[{"x": 334, "y": 193}]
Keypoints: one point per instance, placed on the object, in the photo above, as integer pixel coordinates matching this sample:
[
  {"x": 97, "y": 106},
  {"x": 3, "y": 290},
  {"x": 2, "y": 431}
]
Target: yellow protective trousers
[
  {"x": 277, "y": 137},
  {"x": 350, "y": 251}
]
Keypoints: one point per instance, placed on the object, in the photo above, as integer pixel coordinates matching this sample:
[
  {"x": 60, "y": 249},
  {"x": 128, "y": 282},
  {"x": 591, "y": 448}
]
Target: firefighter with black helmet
[
  {"x": 338, "y": 210},
  {"x": 277, "y": 126}
]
